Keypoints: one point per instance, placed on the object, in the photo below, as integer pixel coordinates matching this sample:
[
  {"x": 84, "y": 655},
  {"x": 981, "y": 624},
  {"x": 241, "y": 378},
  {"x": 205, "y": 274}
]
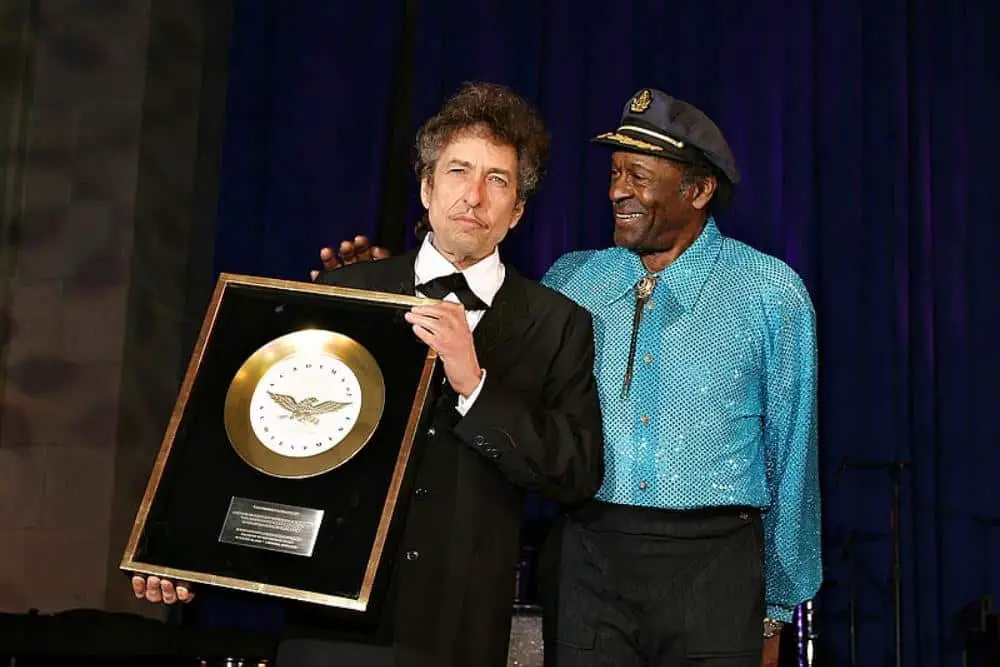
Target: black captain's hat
[{"x": 655, "y": 123}]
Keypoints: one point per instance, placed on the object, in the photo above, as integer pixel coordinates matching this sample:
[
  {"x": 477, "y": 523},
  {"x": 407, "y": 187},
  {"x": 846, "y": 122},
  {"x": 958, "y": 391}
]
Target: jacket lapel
[
  {"x": 403, "y": 276},
  {"x": 506, "y": 321}
]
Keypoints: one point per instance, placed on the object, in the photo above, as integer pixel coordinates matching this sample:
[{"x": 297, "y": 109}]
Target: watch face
[
  {"x": 304, "y": 403},
  {"x": 772, "y": 627}
]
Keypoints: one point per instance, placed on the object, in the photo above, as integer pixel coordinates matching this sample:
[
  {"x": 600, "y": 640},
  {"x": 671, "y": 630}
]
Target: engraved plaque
[{"x": 272, "y": 526}]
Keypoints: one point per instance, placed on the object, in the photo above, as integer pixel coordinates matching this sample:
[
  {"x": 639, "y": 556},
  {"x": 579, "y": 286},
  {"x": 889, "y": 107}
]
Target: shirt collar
[
  {"x": 484, "y": 277},
  {"x": 684, "y": 277}
]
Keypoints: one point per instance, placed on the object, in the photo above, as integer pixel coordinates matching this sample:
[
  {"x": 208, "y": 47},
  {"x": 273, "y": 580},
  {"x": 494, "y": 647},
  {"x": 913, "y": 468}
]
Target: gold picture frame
[{"x": 416, "y": 384}]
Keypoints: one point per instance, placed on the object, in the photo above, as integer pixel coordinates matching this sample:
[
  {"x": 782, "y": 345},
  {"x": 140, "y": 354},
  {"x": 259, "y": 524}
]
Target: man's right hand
[
  {"x": 154, "y": 589},
  {"x": 349, "y": 252}
]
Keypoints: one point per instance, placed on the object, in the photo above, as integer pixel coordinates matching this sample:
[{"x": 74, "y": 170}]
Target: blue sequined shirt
[{"x": 722, "y": 405}]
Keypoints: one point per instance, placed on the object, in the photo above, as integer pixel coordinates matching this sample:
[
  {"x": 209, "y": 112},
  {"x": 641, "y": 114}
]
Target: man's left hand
[
  {"x": 771, "y": 644},
  {"x": 443, "y": 327}
]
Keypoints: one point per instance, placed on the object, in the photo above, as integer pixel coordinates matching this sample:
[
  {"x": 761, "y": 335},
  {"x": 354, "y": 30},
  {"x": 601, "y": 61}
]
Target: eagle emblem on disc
[
  {"x": 308, "y": 411},
  {"x": 304, "y": 403}
]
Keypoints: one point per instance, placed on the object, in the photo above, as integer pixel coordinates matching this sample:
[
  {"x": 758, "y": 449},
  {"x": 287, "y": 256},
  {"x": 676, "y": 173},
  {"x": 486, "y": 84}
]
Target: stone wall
[{"x": 106, "y": 263}]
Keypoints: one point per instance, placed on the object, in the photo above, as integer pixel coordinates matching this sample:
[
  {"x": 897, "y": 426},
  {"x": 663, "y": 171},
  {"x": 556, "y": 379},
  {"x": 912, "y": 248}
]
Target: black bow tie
[{"x": 442, "y": 286}]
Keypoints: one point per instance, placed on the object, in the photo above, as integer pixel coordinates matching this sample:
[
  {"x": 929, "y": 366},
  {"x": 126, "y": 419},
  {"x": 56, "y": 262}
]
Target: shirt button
[
  {"x": 431, "y": 432},
  {"x": 479, "y": 441},
  {"x": 647, "y": 358},
  {"x": 650, "y": 305},
  {"x": 643, "y": 486},
  {"x": 412, "y": 555},
  {"x": 644, "y": 419},
  {"x": 422, "y": 493}
]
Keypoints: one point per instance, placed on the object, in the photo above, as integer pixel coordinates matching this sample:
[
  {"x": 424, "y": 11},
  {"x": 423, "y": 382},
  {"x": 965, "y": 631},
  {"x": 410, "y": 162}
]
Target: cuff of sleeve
[
  {"x": 779, "y": 613},
  {"x": 465, "y": 404}
]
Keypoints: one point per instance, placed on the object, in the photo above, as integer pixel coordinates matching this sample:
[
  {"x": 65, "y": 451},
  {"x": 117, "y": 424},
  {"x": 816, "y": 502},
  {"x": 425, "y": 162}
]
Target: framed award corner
[{"x": 283, "y": 463}]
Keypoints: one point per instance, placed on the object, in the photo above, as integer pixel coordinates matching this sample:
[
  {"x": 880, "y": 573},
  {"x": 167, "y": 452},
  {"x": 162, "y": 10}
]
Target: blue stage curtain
[{"x": 865, "y": 132}]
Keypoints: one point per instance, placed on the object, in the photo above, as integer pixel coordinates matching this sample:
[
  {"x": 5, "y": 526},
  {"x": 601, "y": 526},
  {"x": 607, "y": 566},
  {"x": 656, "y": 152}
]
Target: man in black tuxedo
[{"x": 518, "y": 408}]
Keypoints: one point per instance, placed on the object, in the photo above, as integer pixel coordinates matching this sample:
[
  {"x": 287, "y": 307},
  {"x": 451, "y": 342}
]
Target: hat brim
[{"x": 625, "y": 140}]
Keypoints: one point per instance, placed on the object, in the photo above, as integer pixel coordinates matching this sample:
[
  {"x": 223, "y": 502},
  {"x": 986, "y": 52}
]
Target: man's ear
[
  {"x": 425, "y": 191},
  {"x": 518, "y": 212},
  {"x": 703, "y": 192}
]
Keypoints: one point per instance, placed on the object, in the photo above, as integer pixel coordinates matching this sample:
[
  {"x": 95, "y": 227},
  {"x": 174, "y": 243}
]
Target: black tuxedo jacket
[{"x": 535, "y": 426}]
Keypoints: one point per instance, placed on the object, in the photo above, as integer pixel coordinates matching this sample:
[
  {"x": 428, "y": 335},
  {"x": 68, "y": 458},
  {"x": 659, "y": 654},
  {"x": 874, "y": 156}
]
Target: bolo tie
[{"x": 643, "y": 290}]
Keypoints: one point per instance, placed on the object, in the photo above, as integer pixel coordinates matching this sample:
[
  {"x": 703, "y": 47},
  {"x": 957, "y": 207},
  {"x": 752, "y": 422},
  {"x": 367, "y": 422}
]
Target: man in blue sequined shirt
[{"x": 705, "y": 534}]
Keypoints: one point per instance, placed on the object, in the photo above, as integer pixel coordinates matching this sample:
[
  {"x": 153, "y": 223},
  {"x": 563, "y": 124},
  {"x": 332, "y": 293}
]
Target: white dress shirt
[{"x": 484, "y": 277}]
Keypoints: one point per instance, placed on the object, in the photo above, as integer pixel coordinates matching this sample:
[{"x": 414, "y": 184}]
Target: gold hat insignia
[
  {"x": 629, "y": 141},
  {"x": 641, "y": 102}
]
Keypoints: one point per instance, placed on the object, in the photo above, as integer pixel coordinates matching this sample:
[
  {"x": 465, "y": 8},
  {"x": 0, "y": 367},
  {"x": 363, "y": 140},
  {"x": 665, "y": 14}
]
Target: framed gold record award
[{"x": 282, "y": 468}]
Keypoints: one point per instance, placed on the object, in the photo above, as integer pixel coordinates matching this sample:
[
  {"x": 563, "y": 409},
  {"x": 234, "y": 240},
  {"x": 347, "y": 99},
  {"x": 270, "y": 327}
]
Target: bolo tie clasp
[{"x": 643, "y": 290}]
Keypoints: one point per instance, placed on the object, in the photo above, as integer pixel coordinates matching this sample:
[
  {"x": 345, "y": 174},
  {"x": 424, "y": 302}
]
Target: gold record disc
[{"x": 304, "y": 404}]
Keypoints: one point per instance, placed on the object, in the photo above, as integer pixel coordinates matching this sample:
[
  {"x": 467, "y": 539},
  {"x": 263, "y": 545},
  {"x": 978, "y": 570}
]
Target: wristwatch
[{"x": 772, "y": 627}]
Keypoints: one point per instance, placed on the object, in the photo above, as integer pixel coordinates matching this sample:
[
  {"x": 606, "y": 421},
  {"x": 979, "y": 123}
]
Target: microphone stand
[
  {"x": 805, "y": 634},
  {"x": 895, "y": 469}
]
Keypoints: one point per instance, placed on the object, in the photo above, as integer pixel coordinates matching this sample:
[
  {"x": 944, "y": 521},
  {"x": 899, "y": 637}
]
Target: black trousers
[{"x": 636, "y": 587}]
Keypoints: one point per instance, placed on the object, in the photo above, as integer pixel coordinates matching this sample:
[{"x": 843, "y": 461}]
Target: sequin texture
[{"x": 722, "y": 409}]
